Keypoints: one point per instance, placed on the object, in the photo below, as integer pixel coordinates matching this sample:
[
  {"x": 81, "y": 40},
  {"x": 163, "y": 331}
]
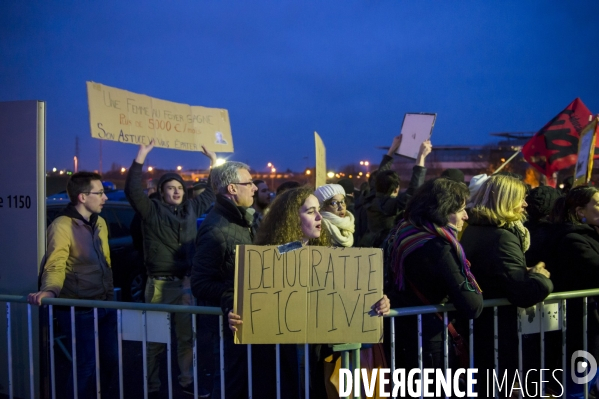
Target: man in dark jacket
[
  {"x": 213, "y": 274},
  {"x": 387, "y": 203},
  {"x": 169, "y": 229},
  {"x": 366, "y": 198}
]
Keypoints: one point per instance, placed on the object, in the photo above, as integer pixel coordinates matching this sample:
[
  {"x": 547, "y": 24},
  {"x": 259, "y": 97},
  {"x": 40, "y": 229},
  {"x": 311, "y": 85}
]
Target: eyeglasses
[
  {"x": 337, "y": 204},
  {"x": 249, "y": 183},
  {"x": 100, "y": 193}
]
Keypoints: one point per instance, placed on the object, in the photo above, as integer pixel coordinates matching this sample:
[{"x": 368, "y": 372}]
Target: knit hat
[
  {"x": 453, "y": 174},
  {"x": 328, "y": 191},
  {"x": 540, "y": 201},
  {"x": 476, "y": 183},
  {"x": 168, "y": 177}
]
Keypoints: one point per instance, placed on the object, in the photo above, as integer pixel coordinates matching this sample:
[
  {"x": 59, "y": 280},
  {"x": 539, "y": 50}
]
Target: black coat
[
  {"x": 576, "y": 265},
  {"x": 499, "y": 265},
  {"x": 168, "y": 231},
  {"x": 382, "y": 210},
  {"x": 213, "y": 271},
  {"x": 435, "y": 270},
  {"x": 365, "y": 199}
]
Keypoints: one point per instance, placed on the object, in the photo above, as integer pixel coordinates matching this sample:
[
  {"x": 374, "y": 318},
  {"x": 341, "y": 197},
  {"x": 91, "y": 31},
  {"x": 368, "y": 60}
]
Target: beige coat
[{"x": 78, "y": 260}]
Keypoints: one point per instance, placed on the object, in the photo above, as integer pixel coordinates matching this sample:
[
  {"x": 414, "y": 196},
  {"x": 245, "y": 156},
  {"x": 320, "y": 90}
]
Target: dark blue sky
[{"x": 283, "y": 69}]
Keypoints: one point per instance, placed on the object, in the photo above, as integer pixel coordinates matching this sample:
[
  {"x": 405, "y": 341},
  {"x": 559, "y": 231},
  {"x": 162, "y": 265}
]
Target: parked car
[{"x": 127, "y": 263}]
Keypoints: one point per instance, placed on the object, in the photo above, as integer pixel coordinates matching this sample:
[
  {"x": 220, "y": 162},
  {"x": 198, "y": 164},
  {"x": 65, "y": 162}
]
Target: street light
[
  {"x": 150, "y": 168},
  {"x": 179, "y": 168},
  {"x": 330, "y": 175},
  {"x": 123, "y": 170},
  {"x": 272, "y": 176},
  {"x": 219, "y": 161},
  {"x": 367, "y": 164}
]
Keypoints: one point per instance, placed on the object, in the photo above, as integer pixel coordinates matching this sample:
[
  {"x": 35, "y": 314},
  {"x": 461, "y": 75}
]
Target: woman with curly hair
[
  {"x": 294, "y": 216},
  {"x": 495, "y": 242}
]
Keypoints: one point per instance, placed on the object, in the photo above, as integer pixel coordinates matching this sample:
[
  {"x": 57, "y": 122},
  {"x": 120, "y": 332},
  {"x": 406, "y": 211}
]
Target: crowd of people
[{"x": 443, "y": 242}]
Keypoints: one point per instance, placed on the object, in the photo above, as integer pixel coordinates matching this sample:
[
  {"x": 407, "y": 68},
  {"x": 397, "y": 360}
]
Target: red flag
[{"x": 555, "y": 146}]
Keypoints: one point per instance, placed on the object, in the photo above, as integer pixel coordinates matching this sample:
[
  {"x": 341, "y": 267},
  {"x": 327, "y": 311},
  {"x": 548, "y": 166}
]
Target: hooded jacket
[
  {"x": 78, "y": 258},
  {"x": 383, "y": 210},
  {"x": 168, "y": 230}
]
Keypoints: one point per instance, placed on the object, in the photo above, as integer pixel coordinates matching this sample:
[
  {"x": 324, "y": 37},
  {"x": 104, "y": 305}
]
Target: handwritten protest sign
[
  {"x": 586, "y": 149},
  {"x": 310, "y": 295},
  {"x": 126, "y": 117},
  {"x": 321, "y": 161}
]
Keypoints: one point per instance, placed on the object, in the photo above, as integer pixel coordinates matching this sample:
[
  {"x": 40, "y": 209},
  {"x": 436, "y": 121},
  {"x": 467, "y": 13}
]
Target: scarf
[
  {"x": 521, "y": 232},
  {"x": 407, "y": 238},
  {"x": 341, "y": 229}
]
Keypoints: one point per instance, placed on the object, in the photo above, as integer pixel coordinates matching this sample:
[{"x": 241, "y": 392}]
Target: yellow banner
[
  {"x": 321, "y": 162},
  {"x": 119, "y": 115}
]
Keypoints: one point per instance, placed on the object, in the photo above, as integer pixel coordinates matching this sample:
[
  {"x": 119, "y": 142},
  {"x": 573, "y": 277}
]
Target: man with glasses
[
  {"x": 77, "y": 266},
  {"x": 213, "y": 274},
  {"x": 169, "y": 229}
]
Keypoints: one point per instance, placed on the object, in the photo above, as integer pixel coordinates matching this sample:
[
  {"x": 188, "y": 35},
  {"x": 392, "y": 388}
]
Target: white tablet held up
[{"x": 416, "y": 129}]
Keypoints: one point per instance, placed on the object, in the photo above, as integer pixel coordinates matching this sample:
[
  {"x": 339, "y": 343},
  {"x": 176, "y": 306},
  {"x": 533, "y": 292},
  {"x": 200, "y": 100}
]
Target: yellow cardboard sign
[
  {"x": 310, "y": 295},
  {"x": 321, "y": 161},
  {"x": 127, "y": 117},
  {"x": 586, "y": 149}
]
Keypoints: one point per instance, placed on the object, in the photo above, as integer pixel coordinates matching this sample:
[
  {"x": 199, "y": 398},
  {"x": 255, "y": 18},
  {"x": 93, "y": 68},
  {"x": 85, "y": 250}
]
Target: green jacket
[{"x": 78, "y": 259}]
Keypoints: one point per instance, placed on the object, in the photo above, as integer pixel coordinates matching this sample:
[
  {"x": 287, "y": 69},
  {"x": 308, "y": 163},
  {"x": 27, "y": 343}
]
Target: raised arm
[
  {"x": 133, "y": 188},
  {"x": 387, "y": 160},
  {"x": 425, "y": 148},
  {"x": 418, "y": 175}
]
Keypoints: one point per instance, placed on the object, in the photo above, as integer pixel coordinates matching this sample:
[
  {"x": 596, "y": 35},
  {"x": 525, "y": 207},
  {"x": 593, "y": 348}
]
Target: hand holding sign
[
  {"x": 143, "y": 152},
  {"x": 234, "y": 320},
  {"x": 209, "y": 154},
  {"x": 382, "y": 307}
]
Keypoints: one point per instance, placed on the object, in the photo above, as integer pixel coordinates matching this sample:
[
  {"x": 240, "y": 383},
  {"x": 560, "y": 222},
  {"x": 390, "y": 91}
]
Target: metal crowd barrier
[{"x": 418, "y": 311}]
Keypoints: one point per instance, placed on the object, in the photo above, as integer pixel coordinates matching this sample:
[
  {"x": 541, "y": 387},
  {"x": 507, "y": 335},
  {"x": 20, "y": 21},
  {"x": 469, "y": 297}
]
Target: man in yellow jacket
[{"x": 77, "y": 266}]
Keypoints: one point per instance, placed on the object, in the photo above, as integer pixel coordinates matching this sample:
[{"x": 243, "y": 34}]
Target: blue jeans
[{"x": 86, "y": 349}]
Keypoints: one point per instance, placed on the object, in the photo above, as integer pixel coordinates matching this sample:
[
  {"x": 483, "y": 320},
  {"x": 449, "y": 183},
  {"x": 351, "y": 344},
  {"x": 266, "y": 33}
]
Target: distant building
[{"x": 471, "y": 159}]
